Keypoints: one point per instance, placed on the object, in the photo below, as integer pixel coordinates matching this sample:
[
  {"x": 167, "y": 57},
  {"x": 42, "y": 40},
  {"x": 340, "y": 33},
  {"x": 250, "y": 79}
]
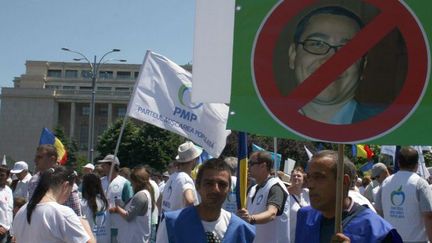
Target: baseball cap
[
  {"x": 89, "y": 166},
  {"x": 19, "y": 167},
  {"x": 110, "y": 158}
]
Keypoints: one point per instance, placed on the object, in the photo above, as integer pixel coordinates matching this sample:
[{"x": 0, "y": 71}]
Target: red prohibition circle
[{"x": 285, "y": 107}]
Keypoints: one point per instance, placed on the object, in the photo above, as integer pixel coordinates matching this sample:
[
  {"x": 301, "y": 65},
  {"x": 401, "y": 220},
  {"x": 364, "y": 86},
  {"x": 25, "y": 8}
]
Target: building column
[
  {"x": 109, "y": 121},
  {"x": 72, "y": 120}
]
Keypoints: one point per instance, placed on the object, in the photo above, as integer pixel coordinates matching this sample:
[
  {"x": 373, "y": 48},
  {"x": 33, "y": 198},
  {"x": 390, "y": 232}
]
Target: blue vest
[
  {"x": 366, "y": 226},
  {"x": 184, "y": 226}
]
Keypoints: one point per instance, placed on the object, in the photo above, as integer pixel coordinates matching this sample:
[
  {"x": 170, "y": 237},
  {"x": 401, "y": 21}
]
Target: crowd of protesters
[{"x": 109, "y": 203}]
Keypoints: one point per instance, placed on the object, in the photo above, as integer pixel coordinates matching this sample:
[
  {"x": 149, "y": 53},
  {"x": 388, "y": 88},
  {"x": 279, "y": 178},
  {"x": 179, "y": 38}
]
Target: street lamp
[{"x": 95, "y": 67}]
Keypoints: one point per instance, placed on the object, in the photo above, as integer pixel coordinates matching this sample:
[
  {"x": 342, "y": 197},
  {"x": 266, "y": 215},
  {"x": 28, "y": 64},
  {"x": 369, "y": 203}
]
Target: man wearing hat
[
  {"x": 20, "y": 169},
  {"x": 118, "y": 190},
  {"x": 179, "y": 191}
]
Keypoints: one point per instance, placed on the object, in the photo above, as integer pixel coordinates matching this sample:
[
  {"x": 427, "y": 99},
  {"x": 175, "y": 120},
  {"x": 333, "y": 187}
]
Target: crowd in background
[{"x": 109, "y": 203}]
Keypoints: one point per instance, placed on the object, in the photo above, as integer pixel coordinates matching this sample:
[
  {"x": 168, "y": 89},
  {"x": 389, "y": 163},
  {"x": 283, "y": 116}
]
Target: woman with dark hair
[
  {"x": 137, "y": 211},
  {"x": 298, "y": 196},
  {"x": 94, "y": 206},
  {"x": 44, "y": 218}
]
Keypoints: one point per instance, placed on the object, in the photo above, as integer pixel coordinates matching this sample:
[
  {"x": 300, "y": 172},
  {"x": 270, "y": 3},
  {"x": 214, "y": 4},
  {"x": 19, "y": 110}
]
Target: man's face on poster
[{"x": 324, "y": 34}]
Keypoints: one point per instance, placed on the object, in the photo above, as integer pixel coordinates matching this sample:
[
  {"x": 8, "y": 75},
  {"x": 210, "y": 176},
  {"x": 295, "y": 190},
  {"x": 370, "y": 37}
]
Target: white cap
[
  {"x": 89, "y": 166},
  {"x": 19, "y": 167},
  {"x": 110, "y": 159}
]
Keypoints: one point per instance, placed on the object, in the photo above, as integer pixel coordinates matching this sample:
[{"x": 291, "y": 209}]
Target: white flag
[
  {"x": 422, "y": 170},
  {"x": 162, "y": 97},
  {"x": 4, "y": 160},
  {"x": 308, "y": 152}
]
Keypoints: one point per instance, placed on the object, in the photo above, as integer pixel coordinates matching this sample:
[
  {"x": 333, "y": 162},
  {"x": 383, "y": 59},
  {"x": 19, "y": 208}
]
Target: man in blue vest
[
  {"x": 316, "y": 223},
  {"x": 207, "y": 222}
]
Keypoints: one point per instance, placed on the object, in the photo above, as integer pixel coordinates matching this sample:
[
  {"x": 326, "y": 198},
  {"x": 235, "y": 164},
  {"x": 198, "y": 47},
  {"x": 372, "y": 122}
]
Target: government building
[{"x": 51, "y": 94}]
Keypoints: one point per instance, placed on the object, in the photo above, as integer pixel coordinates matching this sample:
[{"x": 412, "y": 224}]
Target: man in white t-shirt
[
  {"x": 405, "y": 199},
  {"x": 118, "y": 190},
  {"x": 20, "y": 169},
  {"x": 207, "y": 222},
  {"x": 179, "y": 191}
]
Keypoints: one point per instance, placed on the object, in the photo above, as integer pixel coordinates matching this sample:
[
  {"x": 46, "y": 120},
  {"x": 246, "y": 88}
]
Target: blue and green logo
[
  {"x": 397, "y": 197},
  {"x": 184, "y": 96}
]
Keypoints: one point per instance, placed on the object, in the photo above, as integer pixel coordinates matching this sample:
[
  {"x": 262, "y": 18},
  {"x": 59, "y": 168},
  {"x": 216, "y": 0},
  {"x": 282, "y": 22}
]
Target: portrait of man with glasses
[{"x": 317, "y": 37}]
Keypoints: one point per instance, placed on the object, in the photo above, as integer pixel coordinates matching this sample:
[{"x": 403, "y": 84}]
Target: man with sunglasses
[
  {"x": 266, "y": 202},
  {"x": 318, "y": 36}
]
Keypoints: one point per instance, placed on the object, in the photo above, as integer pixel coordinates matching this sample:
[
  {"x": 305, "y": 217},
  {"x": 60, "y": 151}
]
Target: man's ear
[
  {"x": 292, "y": 52},
  {"x": 346, "y": 180}
]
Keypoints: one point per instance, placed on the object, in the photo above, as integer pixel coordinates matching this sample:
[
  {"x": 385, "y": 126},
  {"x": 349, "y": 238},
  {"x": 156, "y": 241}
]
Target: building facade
[{"x": 52, "y": 94}]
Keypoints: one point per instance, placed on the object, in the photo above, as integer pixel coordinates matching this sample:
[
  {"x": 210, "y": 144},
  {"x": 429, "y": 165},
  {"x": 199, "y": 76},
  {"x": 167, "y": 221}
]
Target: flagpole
[
  {"x": 339, "y": 189},
  {"x": 242, "y": 168},
  {"x": 124, "y": 121}
]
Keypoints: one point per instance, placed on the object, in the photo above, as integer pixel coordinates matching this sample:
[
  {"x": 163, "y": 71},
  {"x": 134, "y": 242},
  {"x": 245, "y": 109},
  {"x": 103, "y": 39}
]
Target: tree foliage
[{"x": 140, "y": 144}]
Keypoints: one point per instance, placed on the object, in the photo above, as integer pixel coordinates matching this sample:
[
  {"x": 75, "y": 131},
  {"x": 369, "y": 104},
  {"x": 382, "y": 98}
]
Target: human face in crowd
[
  {"x": 254, "y": 166},
  {"x": 43, "y": 161},
  {"x": 106, "y": 167},
  {"x": 322, "y": 184},
  {"x": 214, "y": 188},
  {"x": 297, "y": 178},
  {"x": 335, "y": 30},
  {"x": 21, "y": 175},
  {"x": 3, "y": 178}
]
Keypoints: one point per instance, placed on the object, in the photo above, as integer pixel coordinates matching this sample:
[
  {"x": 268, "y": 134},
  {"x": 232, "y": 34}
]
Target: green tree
[{"x": 140, "y": 144}]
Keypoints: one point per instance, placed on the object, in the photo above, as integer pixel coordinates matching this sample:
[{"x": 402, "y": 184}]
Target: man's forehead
[
  {"x": 211, "y": 175},
  {"x": 324, "y": 163},
  {"x": 321, "y": 23}
]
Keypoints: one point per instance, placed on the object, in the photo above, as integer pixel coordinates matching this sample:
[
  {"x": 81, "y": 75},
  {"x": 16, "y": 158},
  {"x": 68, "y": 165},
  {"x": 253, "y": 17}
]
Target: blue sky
[{"x": 38, "y": 29}]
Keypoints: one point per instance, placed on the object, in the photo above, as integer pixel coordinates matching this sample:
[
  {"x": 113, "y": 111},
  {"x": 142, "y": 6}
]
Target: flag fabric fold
[
  {"x": 362, "y": 151},
  {"x": 47, "y": 137},
  {"x": 162, "y": 97}
]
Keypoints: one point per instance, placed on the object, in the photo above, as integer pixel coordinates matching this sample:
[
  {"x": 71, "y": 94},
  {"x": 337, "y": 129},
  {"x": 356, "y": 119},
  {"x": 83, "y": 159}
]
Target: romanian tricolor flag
[
  {"x": 242, "y": 170},
  {"x": 362, "y": 151},
  {"x": 47, "y": 137}
]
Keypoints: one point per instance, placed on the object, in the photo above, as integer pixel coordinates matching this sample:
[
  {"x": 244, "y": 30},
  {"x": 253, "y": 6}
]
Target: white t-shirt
[
  {"x": 6, "y": 207},
  {"x": 100, "y": 224},
  {"x": 360, "y": 199},
  {"x": 50, "y": 222},
  {"x": 155, "y": 213},
  {"x": 172, "y": 197},
  {"x": 219, "y": 227},
  {"x": 297, "y": 202},
  {"x": 21, "y": 189}
]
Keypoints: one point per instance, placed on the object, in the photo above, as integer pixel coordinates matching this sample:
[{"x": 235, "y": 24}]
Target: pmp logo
[
  {"x": 397, "y": 197},
  {"x": 184, "y": 97}
]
